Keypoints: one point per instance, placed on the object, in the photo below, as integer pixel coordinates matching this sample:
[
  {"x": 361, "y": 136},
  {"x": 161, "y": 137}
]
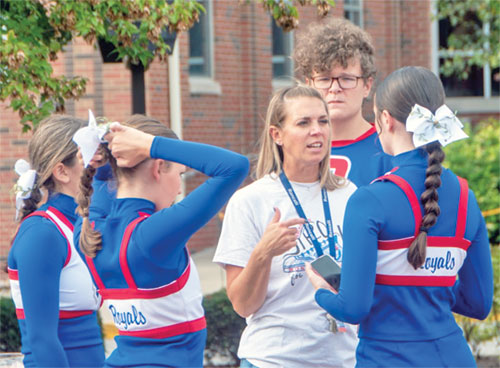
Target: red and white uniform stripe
[
  {"x": 77, "y": 293},
  {"x": 161, "y": 312},
  {"x": 444, "y": 256}
]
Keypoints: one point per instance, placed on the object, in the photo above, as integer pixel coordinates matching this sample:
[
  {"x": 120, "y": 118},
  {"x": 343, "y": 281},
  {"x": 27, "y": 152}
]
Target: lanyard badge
[{"x": 307, "y": 225}]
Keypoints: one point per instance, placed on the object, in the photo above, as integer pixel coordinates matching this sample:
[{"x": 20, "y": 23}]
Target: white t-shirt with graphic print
[{"x": 290, "y": 329}]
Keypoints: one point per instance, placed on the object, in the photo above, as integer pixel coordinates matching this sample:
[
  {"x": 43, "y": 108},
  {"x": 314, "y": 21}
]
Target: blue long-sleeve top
[
  {"x": 38, "y": 253},
  {"x": 156, "y": 253},
  {"x": 381, "y": 211}
]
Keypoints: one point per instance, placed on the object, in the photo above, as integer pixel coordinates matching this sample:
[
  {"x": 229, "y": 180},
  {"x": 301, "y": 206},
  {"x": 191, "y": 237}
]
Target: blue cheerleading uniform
[
  {"x": 144, "y": 270},
  {"x": 55, "y": 299},
  {"x": 405, "y": 315},
  {"x": 360, "y": 160}
]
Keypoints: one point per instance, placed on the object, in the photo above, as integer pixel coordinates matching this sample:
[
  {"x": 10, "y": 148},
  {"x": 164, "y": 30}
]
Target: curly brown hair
[{"x": 330, "y": 42}]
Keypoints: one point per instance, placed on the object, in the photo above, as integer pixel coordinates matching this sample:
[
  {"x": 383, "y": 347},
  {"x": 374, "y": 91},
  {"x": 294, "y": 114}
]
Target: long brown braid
[{"x": 429, "y": 199}]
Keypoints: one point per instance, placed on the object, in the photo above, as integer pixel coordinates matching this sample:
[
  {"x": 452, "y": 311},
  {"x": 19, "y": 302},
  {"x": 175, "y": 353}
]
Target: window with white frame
[
  {"x": 481, "y": 81},
  {"x": 201, "y": 44},
  {"x": 282, "y": 49},
  {"x": 353, "y": 10}
]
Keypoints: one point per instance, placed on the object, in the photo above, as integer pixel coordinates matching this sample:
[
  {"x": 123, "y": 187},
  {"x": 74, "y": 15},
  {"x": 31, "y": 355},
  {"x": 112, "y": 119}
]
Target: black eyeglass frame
[{"x": 338, "y": 81}]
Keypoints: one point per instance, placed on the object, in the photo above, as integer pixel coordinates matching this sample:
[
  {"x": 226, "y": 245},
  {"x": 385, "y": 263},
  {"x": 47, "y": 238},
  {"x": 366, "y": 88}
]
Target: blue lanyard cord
[{"x": 307, "y": 225}]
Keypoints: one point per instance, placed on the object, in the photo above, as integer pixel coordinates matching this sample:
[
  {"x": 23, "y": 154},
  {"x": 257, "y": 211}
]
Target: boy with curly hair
[{"x": 337, "y": 58}]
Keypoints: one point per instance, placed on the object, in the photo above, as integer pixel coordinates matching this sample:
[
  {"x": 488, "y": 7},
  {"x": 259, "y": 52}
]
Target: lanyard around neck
[{"x": 307, "y": 225}]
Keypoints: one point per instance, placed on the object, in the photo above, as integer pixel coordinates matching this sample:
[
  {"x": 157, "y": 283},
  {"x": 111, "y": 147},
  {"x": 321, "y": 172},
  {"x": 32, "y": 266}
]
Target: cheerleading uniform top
[
  {"x": 389, "y": 299},
  {"x": 55, "y": 298},
  {"x": 144, "y": 269}
]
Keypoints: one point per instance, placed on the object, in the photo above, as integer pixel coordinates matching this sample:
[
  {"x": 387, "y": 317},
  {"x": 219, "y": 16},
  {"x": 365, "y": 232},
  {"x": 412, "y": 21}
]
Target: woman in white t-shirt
[{"x": 266, "y": 240}]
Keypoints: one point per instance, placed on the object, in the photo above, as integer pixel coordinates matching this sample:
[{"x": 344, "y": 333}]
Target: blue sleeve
[
  {"x": 40, "y": 253},
  {"x": 104, "y": 187},
  {"x": 167, "y": 230},
  {"x": 474, "y": 287},
  {"x": 104, "y": 173},
  {"x": 362, "y": 222}
]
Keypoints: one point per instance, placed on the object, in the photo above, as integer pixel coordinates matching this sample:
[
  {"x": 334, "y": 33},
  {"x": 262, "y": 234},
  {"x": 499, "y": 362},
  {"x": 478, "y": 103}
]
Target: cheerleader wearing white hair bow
[
  {"x": 418, "y": 235},
  {"x": 55, "y": 299}
]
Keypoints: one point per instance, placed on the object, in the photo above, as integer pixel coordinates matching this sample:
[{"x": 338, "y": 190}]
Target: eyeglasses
[{"x": 344, "y": 81}]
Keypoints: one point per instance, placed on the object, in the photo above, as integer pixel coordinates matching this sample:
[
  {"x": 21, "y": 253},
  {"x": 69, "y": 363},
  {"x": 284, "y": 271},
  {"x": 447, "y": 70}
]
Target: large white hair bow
[
  {"x": 444, "y": 126},
  {"x": 89, "y": 138},
  {"x": 25, "y": 183}
]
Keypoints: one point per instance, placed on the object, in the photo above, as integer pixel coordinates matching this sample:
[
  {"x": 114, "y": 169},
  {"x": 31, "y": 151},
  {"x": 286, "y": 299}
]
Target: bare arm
[{"x": 247, "y": 287}]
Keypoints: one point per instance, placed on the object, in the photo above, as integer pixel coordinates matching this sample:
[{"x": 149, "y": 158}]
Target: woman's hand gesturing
[{"x": 279, "y": 236}]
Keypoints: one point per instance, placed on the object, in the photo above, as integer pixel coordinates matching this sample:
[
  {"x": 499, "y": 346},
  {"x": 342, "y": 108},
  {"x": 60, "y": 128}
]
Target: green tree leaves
[
  {"x": 33, "y": 32},
  {"x": 475, "y": 37}
]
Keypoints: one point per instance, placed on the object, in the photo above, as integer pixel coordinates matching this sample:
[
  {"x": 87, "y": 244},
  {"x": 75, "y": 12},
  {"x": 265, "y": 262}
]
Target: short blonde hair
[{"x": 271, "y": 155}]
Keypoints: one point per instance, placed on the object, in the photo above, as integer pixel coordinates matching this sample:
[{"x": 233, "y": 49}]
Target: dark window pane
[
  {"x": 282, "y": 66},
  {"x": 470, "y": 26},
  {"x": 472, "y": 86},
  {"x": 495, "y": 82},
  {"x": 278, "y": 70},
  {"x": 196, "y": 40},
  {"x": 199, "y": 46},
  {"x": 354, "y": 16},
  {"x": 278, "y": 40}
]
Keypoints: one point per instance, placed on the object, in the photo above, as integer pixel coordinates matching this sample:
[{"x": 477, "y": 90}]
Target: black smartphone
[{"x": 329, "y": 269}]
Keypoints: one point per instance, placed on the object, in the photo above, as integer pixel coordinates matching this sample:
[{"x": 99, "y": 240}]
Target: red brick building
[{"x": 227, "y": 69}]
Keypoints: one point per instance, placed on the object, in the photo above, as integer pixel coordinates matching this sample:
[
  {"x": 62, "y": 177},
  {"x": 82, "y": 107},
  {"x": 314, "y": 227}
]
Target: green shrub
[
  {"x": 10, "y": 336},
  {"x": 475, "y": 331},
  {"x": 477, "y": 159},
  {"x": 224, "y": 327}
]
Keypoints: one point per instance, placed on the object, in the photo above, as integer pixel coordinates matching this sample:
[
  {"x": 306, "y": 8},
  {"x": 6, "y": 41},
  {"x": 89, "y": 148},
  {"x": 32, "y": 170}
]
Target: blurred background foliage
[{"x": 477, "y": 159}]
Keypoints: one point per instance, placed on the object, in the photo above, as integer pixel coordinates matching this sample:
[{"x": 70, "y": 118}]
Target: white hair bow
[
  {"x": 444, "y": 126},
  {"x": 25, "y": 183},
  {"x": 89, "y": 138}
]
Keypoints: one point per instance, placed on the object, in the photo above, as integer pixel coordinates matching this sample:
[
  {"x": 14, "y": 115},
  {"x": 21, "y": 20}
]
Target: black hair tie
[{"x": 424, "y": 229}]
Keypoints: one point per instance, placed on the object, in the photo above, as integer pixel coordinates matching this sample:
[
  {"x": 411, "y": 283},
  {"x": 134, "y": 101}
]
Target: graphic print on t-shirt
[
  {"x": 294, "y": 261},
  {"x": 340, "y": 165}
]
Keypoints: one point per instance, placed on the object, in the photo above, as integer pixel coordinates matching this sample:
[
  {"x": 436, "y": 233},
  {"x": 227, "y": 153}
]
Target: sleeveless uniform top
[
  {"x": 156, "y": 313},
  {"x": 445, "y": 254},
  {"x": 77, "y": 293}
]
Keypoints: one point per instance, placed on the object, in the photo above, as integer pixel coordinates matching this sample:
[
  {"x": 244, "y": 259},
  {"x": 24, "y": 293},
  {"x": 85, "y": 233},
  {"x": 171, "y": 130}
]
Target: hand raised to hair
[
  {"x": 279, "y": 236},
  {"x": 128, "y": 145},
  {"x": 317, "y": 280}
]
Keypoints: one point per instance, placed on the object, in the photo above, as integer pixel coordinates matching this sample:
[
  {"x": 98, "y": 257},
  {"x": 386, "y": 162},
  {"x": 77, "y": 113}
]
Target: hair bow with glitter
[
  {"x": 89, "y": 138},
  {"x": 427, "y": 127},
  {"x": 24, "y": 184}
]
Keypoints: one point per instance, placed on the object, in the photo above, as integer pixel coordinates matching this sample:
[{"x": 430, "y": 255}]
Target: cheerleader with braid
[
  {"x": 137, "y": 254},
  {"x": 55, "y": 299},
  {"x": 418, "y": 235}
]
